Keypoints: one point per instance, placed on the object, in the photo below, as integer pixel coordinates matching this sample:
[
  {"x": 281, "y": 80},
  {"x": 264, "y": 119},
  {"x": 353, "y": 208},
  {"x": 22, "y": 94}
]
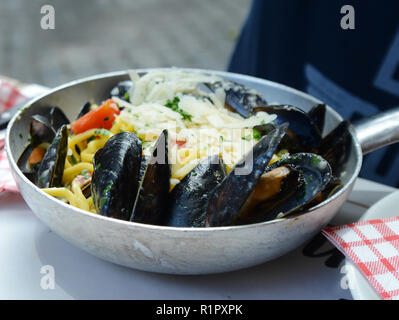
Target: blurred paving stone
[{"x": 96, "y": 36}]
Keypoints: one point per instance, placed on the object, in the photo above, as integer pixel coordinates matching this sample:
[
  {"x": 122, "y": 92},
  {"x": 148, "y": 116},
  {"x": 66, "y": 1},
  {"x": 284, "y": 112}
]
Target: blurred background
[{"x": 96, "y": 36}]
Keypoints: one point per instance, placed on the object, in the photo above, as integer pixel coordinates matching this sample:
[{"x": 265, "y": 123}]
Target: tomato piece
[{"x": 102, "y": 117}]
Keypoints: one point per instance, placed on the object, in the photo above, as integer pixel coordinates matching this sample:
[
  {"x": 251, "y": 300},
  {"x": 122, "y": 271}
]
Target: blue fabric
[{"x": 300, "y": 43}]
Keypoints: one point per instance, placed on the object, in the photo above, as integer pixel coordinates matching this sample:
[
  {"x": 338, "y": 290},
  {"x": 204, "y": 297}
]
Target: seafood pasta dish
[{"x": 185, "y": 149}]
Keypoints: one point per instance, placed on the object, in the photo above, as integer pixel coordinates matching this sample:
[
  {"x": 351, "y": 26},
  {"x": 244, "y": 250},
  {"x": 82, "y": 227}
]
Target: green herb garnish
[
  {"x": 315, "y": 161},
  {"x": 174, "y": 105},
  {"x": 247, "y": 138},
  {"x": 103, "y": 200},
  {"x": 126, "y": 96},
  {"x": 102, "y": 132},
  {"x": 257, "y": 134},
  {"x": 85, "y": 171},
  {"x": 106, "y": 118}
]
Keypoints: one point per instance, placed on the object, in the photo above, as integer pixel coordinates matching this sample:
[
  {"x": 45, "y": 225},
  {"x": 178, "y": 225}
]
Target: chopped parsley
[
  {"x": 106, "y": 118},
  {"x": 174, "y": 105},
  {"x": 126, "y": 96},
  {"x": 102, "y": 132},
  {"x": 98, "y": 166},
  {"x": 315, "y": 161},
  {"x": 107, "y": 188},
  {"x": 247, "y": 138},
  {"x": 103, "y": 200},
  {"x": 257, "y": 134}
]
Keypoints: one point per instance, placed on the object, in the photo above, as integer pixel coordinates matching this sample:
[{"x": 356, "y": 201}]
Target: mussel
[
  {"x": 42, "y": 128},
  {"x": 239, "y": 98},
  {"x": 302, "y": 134},
  {"x": 51, "y": 169},
  {"x": 286, "y": 186},
  {"x": 115, "y": 178},
  {"x": 189, "y": 198},
  {"x": 152, "y": 198},
  {"x": 318, "y": 114},
  {"x": 229, "y": 197}
]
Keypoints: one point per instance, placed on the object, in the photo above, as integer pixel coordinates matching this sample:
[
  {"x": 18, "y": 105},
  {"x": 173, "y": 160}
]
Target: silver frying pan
[{"x": 188, "y": 250}]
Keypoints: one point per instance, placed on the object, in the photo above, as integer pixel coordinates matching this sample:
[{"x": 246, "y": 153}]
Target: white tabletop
[{"x": 27, "y": 245}]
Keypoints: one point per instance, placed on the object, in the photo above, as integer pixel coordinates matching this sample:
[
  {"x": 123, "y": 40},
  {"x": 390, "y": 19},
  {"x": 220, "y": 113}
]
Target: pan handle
[{"x": 378, "y": 131}]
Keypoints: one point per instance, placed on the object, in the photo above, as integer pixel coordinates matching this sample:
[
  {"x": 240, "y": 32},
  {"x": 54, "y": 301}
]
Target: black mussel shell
[
  {"x": 23, "y": 164},
  {"x": 229, "y": 197},
  {"x": 58, "y": 118},
  {"x": 308, "y": 176},
  {"x": 239, "y": 97},
  {"x": 318, "y": 116},
  {"x": 115, "y": 183},
  {"x": 41, "y": 130},
  {"x": 152, "y": 198},
  {"x": 85, "y": 109},
  {"x": 302, "y": 134},
  {"x": 121, "y": 90},
  {"x": 189, "y": 198},
  {"x": 52, "y": 166},
  {"x": 143, "y": 166},
  {"x": 332, "y": 188},
  {"x": 336, "y": 146}
]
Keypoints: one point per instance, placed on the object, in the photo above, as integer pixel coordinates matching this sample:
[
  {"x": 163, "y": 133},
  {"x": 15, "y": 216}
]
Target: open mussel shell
[
  {"x": 306, "y": 176},
  {"x": 115, "y": 183},
  {"x": 42, "y": 128},
  {"x": 229, "y": 197},
  {"x": 302, "y": 134},
  {"x": 152, "y": 198},
  {"x": 52, "y": 166},
  {"x": 189, "y": 199}
]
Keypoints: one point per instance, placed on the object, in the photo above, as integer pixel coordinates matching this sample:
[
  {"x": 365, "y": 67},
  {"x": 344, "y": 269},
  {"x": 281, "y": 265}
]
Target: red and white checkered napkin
[
  {"x": 373, "y": 246},
  {"x": 12, "y": 93}
]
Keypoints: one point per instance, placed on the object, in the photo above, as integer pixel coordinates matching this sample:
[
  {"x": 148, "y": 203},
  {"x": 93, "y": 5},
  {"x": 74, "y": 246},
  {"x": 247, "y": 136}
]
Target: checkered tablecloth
[{"x": 373, "y": 246}]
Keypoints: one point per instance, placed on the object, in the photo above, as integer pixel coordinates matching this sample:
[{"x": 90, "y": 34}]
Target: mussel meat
[{"x": 286, "y": 186}]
